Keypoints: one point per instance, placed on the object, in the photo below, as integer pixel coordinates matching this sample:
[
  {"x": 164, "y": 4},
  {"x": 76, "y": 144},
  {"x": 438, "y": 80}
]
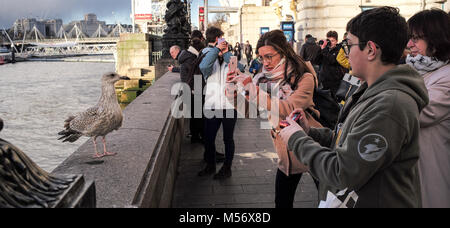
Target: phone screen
[
  {"x": 296, "y": 117},
  {"x": 221, "y": 40}
]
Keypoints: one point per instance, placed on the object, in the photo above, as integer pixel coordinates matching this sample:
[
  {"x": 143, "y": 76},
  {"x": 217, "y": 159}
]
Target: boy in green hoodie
[{"x": 370, "y": 159}]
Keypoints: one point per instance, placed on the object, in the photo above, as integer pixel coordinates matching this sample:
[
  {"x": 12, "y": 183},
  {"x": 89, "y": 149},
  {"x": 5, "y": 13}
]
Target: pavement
[{"x": 252, "y": 184}]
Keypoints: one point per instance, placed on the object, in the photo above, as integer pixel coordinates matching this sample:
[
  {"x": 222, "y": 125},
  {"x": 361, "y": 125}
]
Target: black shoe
[
  {"x": 224, "y": 173},
  {"x": 219, "y": 158},
  {"x": 208, "y": 170}
]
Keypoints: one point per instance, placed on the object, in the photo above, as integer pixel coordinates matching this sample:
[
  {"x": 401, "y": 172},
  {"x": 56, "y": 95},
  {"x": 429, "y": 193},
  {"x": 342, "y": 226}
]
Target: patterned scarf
[
  {"x": 275, "y": 79},
  {"x": 424, "y": 64}
]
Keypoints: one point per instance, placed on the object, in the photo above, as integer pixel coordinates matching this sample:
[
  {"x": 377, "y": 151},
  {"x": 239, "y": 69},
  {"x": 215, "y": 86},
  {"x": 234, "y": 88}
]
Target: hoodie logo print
[{"x": 372, "y": 147}]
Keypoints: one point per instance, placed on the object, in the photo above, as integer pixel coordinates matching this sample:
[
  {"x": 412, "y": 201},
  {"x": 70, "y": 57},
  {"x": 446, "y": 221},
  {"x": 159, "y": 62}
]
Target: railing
[
  {"x": 155, "y": 57},
  {"x": 79, "y": 40},
  {"x": 78, "y": 49}
]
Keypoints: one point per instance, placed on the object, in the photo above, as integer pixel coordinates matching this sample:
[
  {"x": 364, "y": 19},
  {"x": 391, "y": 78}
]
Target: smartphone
[
  {"x": 233, "y": 63},
  {"x": 295, "y": 118},
  {"x": 220, "y": 40}
]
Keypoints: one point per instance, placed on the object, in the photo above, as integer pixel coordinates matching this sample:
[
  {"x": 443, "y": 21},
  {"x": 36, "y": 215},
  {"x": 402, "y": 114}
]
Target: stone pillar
[{"x": 134, "y": 59}]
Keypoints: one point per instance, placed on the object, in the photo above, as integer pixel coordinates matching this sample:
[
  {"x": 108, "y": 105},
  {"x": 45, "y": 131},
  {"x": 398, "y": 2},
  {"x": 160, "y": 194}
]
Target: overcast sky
[{"x": 69, "y": 10}]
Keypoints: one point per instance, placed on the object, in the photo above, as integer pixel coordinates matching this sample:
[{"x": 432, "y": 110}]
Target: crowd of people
[{"x": 390, "y": 144}]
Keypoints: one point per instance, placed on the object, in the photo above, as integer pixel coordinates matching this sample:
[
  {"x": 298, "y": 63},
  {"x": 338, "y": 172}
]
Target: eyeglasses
[
  {"x": 347, "y": 46},
  {"x": 266, "y": 58}
]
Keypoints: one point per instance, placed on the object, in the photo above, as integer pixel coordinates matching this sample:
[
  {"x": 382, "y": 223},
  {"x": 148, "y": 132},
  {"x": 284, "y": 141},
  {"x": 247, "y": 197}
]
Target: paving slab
[{"x": 252, "y": 184}]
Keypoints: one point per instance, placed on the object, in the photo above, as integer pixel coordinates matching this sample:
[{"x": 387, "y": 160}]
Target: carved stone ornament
[{"x": 23, "y": 184}]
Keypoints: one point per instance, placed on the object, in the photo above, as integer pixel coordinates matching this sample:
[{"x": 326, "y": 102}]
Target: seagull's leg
[
  {"x": 105, "y": 153},
  {"x": 97, "y": 155}
]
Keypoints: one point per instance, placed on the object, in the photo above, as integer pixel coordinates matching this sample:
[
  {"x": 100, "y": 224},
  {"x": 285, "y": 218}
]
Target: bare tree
[{"x": 218, "y": 20}]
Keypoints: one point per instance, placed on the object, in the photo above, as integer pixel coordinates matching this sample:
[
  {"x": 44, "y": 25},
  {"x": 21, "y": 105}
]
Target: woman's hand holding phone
[{"x": 302, "y": 121}]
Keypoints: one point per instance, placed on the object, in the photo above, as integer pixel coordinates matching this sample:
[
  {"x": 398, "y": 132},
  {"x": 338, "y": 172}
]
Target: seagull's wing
[{"x": 84, "y": 121}]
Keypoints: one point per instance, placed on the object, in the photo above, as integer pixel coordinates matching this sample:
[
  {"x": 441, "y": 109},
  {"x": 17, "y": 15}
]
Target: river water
[{"x": 36, "y": 98}]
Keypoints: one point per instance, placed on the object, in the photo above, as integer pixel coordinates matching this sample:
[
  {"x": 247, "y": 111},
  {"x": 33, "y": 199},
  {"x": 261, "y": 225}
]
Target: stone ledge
[{"x": 147, "y": 146}]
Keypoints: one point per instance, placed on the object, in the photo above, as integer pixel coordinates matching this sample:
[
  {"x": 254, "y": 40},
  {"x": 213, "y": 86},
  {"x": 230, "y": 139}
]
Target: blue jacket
[
  {"x": 206, "y": 66},
  {"x": 256, "y": 65}
]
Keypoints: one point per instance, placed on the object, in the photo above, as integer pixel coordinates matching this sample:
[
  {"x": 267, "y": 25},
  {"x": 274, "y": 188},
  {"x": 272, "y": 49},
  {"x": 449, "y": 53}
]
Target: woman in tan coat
[
  {"x": 285, "y": 80},
  {"x": 430, "y": 55}
]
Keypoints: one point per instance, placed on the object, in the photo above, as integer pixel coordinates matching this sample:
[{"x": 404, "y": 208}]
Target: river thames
[{"x": 36, "y": 98}]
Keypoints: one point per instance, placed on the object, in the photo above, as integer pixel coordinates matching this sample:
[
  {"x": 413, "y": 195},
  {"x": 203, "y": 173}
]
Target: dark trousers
[
  {"x": 211, "y": 128},
  {"x": 196, "y": 125},
  {"x": 285, "y": 187},
  {"x": 249, "y": 59}
]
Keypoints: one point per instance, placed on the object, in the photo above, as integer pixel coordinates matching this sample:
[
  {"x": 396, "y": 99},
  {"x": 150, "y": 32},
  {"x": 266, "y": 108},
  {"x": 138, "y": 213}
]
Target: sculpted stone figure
[{"x": 23, "y": 183}]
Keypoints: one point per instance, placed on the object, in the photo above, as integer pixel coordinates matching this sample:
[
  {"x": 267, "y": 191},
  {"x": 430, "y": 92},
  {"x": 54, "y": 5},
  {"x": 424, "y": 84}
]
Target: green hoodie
[{"x": 375, "y": 149}]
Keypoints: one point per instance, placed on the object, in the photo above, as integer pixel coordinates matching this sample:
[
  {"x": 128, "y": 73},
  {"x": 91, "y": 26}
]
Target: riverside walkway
[
  {"x": 156, "y": 166},
  {"x": 252, "y": 184}
]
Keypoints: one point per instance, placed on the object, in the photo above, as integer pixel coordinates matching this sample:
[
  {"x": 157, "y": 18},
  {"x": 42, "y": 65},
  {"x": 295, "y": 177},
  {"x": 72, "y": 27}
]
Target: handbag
[
  {"x": 323, "y": 102},
  {"x": 348, "y": 86}
]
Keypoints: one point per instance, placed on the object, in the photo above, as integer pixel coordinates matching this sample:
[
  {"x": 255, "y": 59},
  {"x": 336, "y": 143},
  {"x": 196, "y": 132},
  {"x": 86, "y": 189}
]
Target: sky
[{"x": 110, "y": 11}]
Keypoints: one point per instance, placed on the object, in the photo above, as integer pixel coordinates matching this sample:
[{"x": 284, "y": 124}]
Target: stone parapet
[{"x": 148, "y": 144}]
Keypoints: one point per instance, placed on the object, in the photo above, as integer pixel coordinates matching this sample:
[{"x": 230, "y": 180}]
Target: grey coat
[{"x": 434, "y": 162}]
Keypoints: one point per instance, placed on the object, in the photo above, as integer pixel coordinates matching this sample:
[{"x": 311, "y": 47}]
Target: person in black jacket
[
  {"x": 186, "y": 59},
  {"x": 331, "y": 72},
  {"x": 310, "y": 50}
]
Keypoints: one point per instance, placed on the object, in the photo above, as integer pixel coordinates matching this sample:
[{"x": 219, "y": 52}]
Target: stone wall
[
  {"x": 319, "y": 17},
  {"x": 134, "y": 58},
  {"x": 148, "y": 144},
  {"x": 253, "y": 18}
]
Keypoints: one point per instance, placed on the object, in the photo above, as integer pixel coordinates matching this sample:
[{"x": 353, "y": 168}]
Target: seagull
[{"x": 99, "y": 120}]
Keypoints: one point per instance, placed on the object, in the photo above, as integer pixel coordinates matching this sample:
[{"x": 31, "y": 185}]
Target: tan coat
[
  {"x": 434, "y": 161},
  {"x": 302, "y": 97}
]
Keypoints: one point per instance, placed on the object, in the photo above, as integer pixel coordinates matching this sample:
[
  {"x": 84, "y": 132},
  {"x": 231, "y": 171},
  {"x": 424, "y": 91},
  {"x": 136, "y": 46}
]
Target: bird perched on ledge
[{"x": 99, "y": 120}]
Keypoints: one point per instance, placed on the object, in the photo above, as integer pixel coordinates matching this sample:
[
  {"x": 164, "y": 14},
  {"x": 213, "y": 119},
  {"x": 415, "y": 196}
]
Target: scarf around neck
[
  {"x": 275, "y": 79},
  {"x": 424, "y": 64}
]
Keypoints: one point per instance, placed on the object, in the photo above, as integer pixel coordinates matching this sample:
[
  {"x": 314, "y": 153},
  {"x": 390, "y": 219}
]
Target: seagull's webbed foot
[
  {"x": 108, "y": 154},
  {"x": 98, "y": 155},
  {"x": 105, "y": 153}
]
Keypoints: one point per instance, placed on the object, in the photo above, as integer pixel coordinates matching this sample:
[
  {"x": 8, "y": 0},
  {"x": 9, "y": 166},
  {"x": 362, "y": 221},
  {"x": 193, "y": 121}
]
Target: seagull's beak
[{"x": 124, "y": 78}]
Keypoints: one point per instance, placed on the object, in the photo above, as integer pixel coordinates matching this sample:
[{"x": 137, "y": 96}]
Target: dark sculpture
[
  {"x": 178, "y": 28},
  {"x": 176, "y": 19},
  {"x": 24, "y": 184}
]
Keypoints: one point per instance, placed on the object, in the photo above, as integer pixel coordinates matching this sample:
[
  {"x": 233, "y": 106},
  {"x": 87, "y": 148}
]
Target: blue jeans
[{"x": 212, "y": 126}]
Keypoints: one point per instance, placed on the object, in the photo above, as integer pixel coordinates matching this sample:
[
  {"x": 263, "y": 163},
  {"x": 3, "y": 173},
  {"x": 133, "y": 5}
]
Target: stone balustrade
[{"x": 148, "y": 144}]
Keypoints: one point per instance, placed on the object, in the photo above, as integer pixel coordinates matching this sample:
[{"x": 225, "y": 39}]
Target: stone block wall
[{"x": 134, "y": 50}]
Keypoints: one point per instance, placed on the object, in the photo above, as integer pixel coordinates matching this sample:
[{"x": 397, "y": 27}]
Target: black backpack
[
  {"x": 195, "y": 70},
  {"x": 327, "y": 106}
]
